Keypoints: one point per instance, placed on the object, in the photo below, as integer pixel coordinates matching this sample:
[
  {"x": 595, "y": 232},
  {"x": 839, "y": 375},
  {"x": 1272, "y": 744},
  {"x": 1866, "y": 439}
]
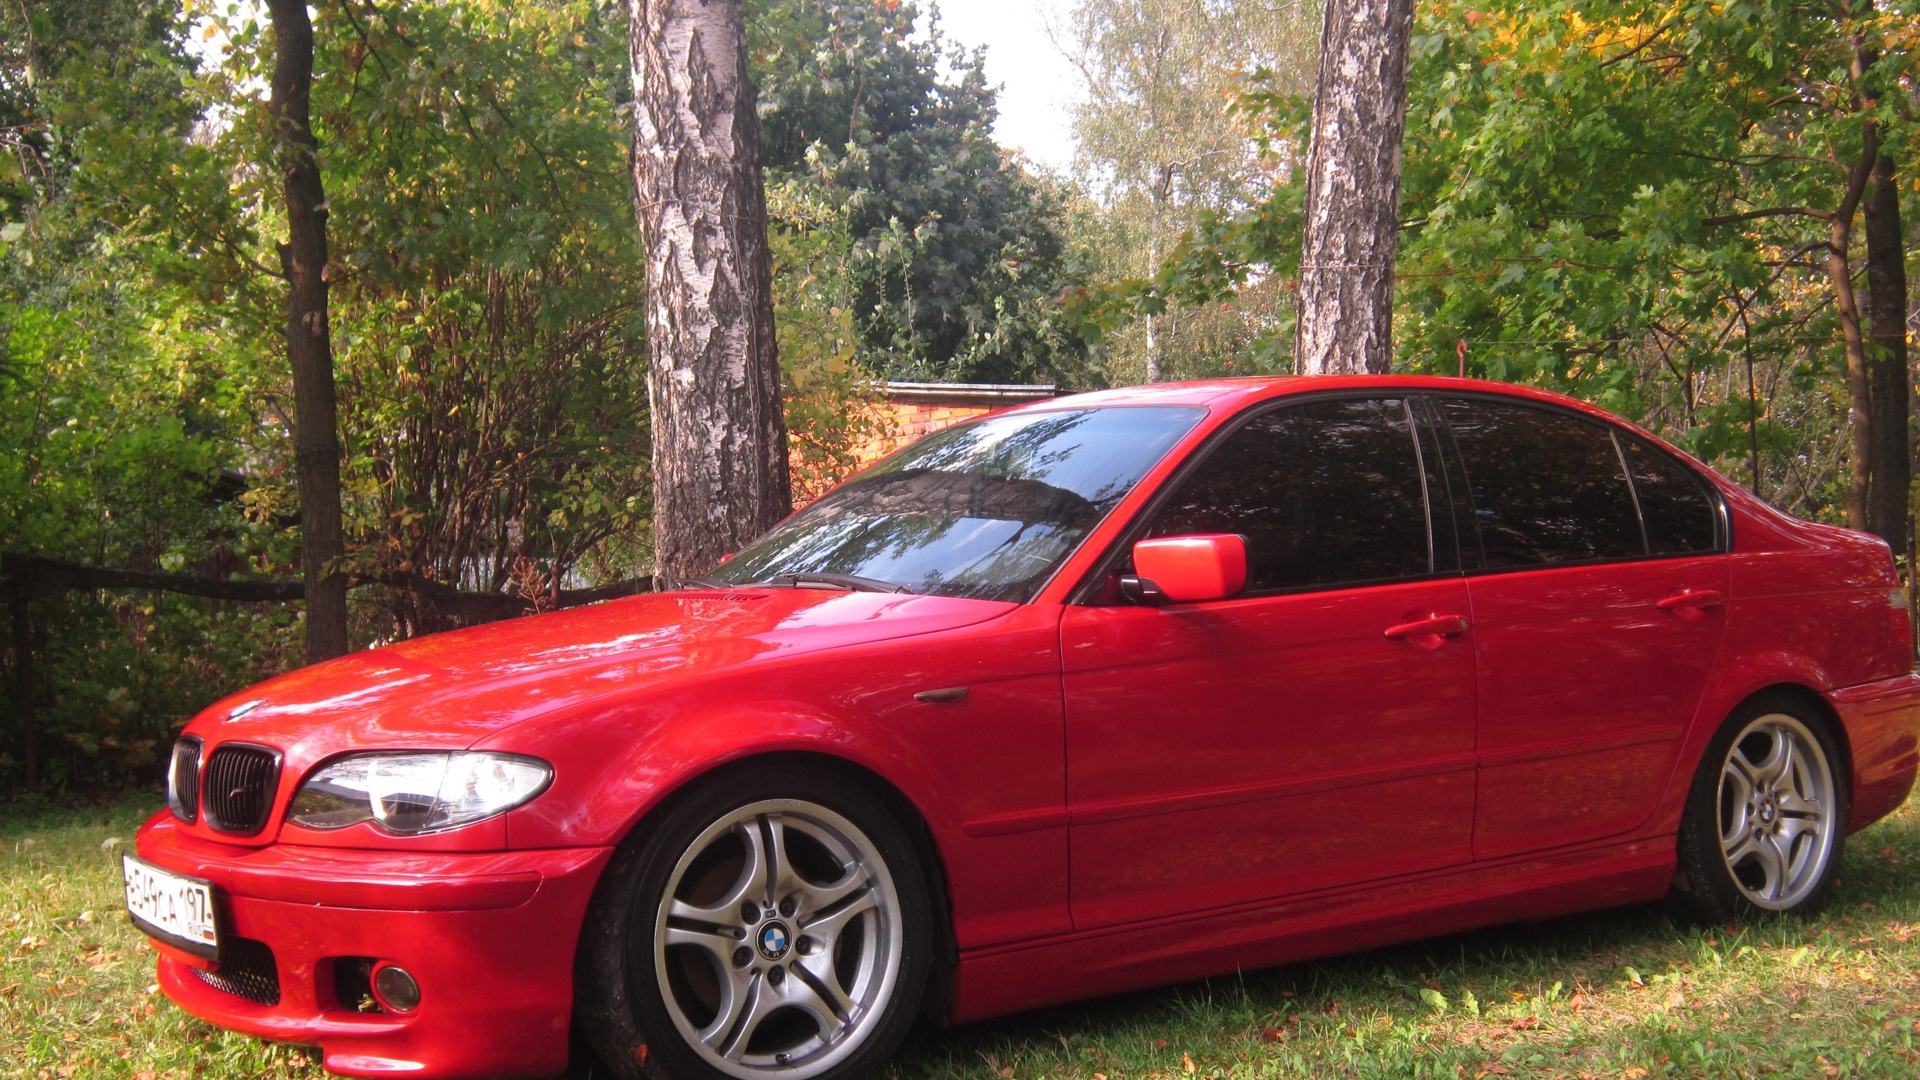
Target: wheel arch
[
  {"x": 914, "y": 819},
  {"x": 1726, "y": 697},
  {"x": 1817, "y": 704}
]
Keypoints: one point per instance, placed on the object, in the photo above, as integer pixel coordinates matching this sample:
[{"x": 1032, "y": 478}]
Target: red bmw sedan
[{"x": 1088, "y": 695}]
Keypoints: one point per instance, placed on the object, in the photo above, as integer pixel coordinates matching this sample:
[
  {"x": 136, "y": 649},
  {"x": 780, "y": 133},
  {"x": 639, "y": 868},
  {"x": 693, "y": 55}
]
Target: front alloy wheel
[
  {"x": 772, "y": 925},
  {"x": 778, "y": 940}
]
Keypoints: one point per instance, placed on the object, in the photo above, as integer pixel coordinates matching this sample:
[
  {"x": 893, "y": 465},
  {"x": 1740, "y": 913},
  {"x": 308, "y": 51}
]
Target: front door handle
[
  {"x": 1435, "y": 626},
  {"x": 1694, "y": 600}
]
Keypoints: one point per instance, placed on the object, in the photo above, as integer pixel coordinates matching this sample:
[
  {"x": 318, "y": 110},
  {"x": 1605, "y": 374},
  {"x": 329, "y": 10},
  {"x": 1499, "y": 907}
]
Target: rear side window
[
  {"x": 1327, "y": 493},
  {"x": 1681, "y": 514},
  {"x": 1547, "y": 487}
]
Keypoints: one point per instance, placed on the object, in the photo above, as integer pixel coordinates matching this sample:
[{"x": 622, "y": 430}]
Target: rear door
[{"x": 1598, "y": 608}]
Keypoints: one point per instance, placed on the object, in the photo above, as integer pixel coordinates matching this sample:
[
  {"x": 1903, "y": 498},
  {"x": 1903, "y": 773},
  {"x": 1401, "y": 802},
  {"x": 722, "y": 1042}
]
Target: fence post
[{"x": 20, "y": 601}]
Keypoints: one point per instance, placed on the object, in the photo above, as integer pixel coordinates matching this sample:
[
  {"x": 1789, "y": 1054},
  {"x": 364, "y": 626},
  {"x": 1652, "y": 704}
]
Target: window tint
[
  {"x": 1547, "y": 487},
  {"x": 1680, "y": 513},
  {"x": 1327, "y": 493}
]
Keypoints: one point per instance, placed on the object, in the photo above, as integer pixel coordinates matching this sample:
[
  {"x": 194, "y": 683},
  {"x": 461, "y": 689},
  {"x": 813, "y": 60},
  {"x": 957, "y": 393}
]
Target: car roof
[{"x": 1231, "y": 394}]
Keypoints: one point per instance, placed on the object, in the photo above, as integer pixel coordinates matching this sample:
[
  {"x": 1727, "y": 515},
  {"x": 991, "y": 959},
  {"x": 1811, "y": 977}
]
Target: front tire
[
  {"x": 772, "y": 925},
  {"x": 1766, "y": 817}
]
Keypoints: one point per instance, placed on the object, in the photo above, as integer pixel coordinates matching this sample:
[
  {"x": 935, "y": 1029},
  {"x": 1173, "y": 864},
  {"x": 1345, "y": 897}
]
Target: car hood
[{"x": 447, "y": 691}]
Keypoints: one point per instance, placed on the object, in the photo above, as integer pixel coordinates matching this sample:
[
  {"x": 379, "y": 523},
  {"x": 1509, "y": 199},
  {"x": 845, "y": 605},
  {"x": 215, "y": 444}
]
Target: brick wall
[{"x": 909, "y": 410}]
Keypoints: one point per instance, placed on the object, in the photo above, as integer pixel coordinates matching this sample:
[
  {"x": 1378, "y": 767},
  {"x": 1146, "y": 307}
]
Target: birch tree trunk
[
  {"x": 1353, "y": 190},
  {"x": 713, "y": 375},
  {"x": 303, "y": 259},
  {"x": 1889, "y": 389}
]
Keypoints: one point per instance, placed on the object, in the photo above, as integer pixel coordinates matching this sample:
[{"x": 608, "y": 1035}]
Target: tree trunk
[
  {"x": 713, "y": 376},
  {"x": 1840, "y": 275},
  {"x": 1892, "y": 446},
  {"x": 303, "y": 258},
  {"x": 1353, "y": 190}
]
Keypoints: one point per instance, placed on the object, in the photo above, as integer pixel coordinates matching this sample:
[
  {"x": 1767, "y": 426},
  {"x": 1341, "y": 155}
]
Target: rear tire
[
  {"x": 1766, "y": 817},
  {"x": 773, "y": 924}
]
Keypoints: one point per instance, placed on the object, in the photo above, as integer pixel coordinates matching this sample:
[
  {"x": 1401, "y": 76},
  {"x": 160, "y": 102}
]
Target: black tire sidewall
[
  {"x": 1703, "y": 882},
  {"x": 622, "y": 1004}
]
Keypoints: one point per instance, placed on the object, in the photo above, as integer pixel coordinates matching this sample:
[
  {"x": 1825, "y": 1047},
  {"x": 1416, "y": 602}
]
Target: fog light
[{"x": 394, "y": 989}]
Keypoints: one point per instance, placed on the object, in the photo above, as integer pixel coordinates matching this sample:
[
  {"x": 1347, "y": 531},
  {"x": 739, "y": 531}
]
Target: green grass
[{"x": 1625, "y": 993}]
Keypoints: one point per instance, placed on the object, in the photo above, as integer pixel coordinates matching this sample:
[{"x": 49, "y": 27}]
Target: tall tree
[
  {"x": 1889, "y": 487},
  {"x": 958, "y": 257},
  {"x": 303, "y": 259},
  {"x": 713, "y": 372},
  {"x": 1889, "y": 440},
  {"x": 1353, "y": 189},
  {"x": 1156, "y": 149}
]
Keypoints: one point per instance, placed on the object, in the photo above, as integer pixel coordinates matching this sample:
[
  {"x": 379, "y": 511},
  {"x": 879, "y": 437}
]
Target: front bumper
[{"x": 489, "y": 937}]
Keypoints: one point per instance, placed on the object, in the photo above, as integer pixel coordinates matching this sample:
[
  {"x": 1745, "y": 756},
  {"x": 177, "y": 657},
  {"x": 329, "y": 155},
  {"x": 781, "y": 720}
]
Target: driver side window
[{"x": 1328, "y": 493}]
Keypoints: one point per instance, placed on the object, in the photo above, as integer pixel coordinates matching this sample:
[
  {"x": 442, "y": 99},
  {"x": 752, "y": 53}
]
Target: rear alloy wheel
[
  {"x": 771, "y": 929},
  {"x": 1766, "y": 818}
]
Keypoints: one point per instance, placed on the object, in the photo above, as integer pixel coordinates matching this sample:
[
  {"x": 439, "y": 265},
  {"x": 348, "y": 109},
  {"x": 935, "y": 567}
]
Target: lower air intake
[{"x": 246, "y": 970}]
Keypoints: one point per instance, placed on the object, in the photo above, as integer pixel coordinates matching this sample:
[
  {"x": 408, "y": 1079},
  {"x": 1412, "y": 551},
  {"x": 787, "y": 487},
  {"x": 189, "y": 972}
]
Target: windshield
[{"x": 987, "y": 510}]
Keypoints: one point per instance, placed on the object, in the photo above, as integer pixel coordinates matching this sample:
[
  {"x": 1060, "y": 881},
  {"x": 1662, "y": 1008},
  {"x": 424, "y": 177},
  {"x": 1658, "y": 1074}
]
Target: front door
[{"x": 1315, "y": 731}]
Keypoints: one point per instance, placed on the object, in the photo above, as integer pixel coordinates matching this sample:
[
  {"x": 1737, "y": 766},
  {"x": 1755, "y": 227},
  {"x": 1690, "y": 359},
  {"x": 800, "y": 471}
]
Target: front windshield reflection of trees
[{"x": 985, "y": 510}]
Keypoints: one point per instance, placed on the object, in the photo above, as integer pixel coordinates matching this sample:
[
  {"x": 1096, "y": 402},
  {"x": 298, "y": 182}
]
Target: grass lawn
[{"x": 1619, "y": 994}]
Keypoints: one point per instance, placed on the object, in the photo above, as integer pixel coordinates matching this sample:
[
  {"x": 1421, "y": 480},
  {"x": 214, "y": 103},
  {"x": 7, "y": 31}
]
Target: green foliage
[
  {"x": 123, "y": 421},
  {"x": 956, "y": 260},
  {"x": 829, "y": 397},
  {"x": 485, "y": 320},
  {"x": 485, "y": 284},
  {"x": 39, "y": 39},
  {"x": 1577, "y": 193},
  {"x": 1161, "y": 148},
  {"x": 488, "y": 317},
  {"x": 1605, "y": 198}
]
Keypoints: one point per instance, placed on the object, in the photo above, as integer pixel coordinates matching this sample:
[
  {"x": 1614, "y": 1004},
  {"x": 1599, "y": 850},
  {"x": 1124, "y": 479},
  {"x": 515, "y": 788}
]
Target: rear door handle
[
  {"x": 1437, "y": 626},
  {"x": 1692, "y": 600}
]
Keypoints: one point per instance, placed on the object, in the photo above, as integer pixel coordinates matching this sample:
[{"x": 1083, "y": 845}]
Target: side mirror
[{"x": 1190, "y": 569}]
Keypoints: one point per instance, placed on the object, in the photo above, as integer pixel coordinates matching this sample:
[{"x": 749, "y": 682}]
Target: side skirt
[{"x": 1028, "y": 975}]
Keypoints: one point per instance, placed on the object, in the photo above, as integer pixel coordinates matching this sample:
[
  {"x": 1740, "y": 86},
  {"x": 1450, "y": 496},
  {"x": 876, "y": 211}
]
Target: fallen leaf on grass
[
  {"x": 1186, "y": 1062},
  {"x": 1634, "y": 1073},
  {"x": 1525, "y": 1023}
]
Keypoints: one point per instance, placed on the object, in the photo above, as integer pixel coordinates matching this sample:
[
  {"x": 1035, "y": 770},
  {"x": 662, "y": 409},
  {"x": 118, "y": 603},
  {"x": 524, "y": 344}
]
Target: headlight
[{"x": 411, "y": 793}]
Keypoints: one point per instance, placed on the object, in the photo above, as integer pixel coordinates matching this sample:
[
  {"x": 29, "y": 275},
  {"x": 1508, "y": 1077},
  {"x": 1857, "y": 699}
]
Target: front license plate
[{"x": 178, "y": 910}]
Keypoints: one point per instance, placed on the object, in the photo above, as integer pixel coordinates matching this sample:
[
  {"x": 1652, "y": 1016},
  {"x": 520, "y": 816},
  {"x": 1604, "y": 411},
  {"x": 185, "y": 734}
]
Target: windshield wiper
[{"x": 852, "y": 582}]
